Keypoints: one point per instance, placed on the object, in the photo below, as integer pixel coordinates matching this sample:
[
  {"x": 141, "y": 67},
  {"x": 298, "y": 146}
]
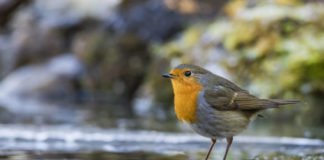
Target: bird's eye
[{"x": 187, "y": 73}]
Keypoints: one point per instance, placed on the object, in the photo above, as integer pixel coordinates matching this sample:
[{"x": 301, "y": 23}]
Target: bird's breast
[{"x": 185, "y": 102}]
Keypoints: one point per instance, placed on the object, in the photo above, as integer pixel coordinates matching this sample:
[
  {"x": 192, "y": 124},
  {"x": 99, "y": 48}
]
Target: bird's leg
[
  {"x": 229, "y": 143},
  {"x": 211, "y": 147}
]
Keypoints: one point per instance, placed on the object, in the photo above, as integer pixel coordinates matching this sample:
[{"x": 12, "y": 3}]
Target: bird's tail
[{"x": 284, "y": 101}]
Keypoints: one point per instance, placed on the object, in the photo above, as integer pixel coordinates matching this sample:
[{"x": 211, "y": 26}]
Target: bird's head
[{"x": 187, "y": 76}]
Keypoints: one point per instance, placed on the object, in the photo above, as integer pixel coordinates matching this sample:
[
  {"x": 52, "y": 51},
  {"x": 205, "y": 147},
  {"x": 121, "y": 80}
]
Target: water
[{"x": 67, "y": 142}]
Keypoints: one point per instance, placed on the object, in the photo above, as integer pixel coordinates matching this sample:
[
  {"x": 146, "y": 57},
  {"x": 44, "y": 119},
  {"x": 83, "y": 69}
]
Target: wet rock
[{"x": 28, "y": 90}]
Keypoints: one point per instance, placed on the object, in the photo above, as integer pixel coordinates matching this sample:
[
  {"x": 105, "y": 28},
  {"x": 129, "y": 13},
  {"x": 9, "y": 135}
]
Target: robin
[{"x": 214, "y": 106}]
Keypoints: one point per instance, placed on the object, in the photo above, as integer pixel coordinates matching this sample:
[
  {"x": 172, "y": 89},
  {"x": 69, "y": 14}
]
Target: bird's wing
[{"x": 222, "y": 98}]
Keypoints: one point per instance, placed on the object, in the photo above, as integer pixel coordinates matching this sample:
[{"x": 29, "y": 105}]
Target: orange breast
[{"x": 185, "y": 101}]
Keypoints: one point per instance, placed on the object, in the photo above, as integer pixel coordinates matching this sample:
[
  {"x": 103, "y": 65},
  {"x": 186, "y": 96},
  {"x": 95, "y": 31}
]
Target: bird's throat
[{"x": 185, "y": 101}]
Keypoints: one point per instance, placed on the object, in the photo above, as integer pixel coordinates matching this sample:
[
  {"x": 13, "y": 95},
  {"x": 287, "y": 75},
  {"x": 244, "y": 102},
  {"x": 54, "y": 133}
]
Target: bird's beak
[{"x": 168, "y": 75}]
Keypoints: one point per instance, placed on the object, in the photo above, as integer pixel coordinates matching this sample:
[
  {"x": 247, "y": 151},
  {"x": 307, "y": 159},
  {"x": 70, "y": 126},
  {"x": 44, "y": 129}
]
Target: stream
[{"x": 70, "y": 142}]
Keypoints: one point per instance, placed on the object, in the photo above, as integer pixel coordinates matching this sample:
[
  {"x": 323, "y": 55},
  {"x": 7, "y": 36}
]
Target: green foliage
[
  {"x": 273, "y": 51},
  {"x": 283, "y": 50}
]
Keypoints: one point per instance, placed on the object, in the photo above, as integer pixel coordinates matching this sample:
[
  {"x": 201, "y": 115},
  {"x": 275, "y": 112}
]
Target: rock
[
  {"x": 145, "y": 20},
  {"x": 29, "y": 42},
  {"x": 115, "y": 64},
  {"x": 28, "y": 90}
]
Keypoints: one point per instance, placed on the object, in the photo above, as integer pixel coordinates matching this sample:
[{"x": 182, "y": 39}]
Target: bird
[{"x": 213, "y": 106}]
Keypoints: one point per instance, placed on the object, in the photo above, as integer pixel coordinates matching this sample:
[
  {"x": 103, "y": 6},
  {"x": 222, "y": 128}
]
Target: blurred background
[{"x": 95, "y": 67}]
